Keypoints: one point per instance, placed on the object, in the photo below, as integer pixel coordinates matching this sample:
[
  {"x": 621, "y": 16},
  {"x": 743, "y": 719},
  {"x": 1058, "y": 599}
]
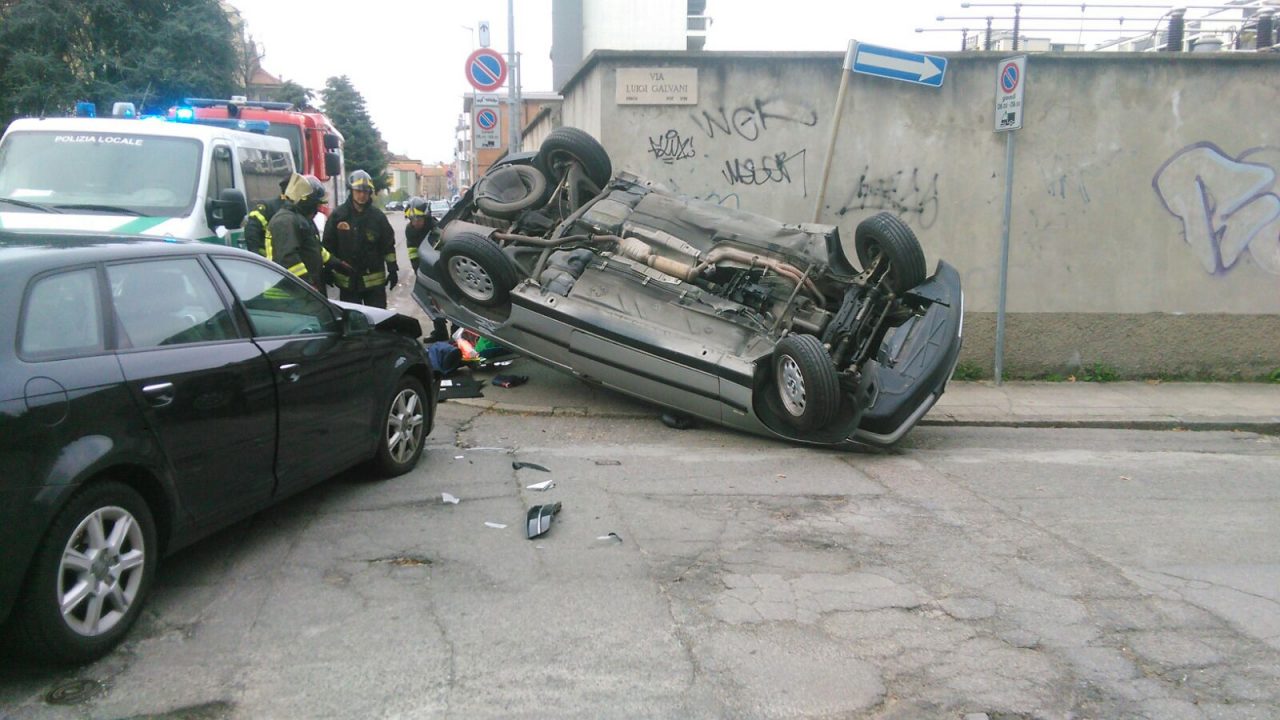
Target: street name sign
[
  {"x": 1011, "y": 78},
  {"x": 901, "y": 65}
]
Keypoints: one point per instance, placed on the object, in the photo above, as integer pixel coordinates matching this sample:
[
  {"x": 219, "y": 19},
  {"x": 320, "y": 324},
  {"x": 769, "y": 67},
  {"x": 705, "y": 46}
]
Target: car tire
[
  {"x": 568, "y": 144},
  {"x": 102, "y": 550},
  {"x": 806, "y": 382},
  {"x": 404, "y": 428},
  {"x": 883, "y": 234},
  {"x": 476, "y": 270},
  {"x": 535, "y": 185}
]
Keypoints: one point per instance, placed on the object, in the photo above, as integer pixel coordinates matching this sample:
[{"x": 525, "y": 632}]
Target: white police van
[{"x": 140, "y": 177}]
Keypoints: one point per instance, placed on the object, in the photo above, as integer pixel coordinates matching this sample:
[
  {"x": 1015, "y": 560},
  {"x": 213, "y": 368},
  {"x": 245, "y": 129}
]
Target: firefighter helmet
[
  {"x": 360, "y": 180},
  {"x": 418, "y": 207}
]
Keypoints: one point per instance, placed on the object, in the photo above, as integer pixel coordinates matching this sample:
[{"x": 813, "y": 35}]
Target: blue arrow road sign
[{"x": 900, "y": 65}]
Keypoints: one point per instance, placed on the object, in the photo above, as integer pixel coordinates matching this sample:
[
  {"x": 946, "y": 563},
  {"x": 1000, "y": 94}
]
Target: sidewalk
[{"x": 1133, "y": 405}]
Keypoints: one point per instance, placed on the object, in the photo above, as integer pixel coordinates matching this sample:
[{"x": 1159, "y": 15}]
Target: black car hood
[{"x": 385, "y": 320}]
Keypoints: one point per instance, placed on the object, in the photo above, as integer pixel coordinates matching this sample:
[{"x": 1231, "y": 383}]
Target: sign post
[
  {"x": 884, "y": 62},
  {"x": 1010, "y": 81}
]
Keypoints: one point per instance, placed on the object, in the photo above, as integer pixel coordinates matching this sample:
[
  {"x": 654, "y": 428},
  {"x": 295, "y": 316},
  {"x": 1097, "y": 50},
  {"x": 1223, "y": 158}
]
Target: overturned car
[{"x": 721, "y": 314}]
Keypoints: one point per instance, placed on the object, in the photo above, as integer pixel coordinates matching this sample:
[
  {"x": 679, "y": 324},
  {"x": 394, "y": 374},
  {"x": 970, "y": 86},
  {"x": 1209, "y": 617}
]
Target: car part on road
[
  {"x": 532, "y": 466},
  {"x": 678, "y": 421},
  {"x": 538, "y": 519},
  {"x": 541, "y": 486},
  {"x": 509, "y": 381}
]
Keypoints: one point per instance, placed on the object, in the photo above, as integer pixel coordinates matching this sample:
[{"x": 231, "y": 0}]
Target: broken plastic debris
[
  {"x": 608, "y": 462},
  {"x": 494, "y": 525},
  {"x": 446, "y": 497},
  {"x": 532, "y": 466},
  {"x": 544, "y": 485},
  {"x": 612, "y": 537},
  {"x": 457, "y": 457}
]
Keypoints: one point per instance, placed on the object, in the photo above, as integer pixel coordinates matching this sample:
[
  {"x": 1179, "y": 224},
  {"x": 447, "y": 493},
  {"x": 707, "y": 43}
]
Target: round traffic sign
[
  {"x": 486, "y": 70},
  {"x": 1009, "y": 77},
  {"x": 487, "y": 119}
]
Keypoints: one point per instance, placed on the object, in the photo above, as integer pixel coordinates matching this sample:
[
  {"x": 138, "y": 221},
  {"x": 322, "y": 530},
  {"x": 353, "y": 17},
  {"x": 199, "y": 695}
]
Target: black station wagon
[{"x": 152, "y": 392}]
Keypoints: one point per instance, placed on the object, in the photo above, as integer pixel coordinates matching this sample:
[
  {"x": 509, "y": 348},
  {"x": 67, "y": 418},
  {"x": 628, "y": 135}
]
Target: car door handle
[
  {"x": 158, "y": 394},
  {"x": 290, "y": 372}
]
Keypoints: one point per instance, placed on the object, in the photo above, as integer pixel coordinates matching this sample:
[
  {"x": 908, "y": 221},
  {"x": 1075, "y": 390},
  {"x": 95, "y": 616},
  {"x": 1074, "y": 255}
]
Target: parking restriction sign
[
  {"x": 486, "y": 127},
  {"x": 1011, "y": 78}
]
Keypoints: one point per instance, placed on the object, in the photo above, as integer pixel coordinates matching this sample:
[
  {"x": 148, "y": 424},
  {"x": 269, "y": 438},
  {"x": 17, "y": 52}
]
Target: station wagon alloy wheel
[
  {"x": 404, "y": 427},
  {"x": 791, "y": 386},
  {"x": 101, "y": 571}
]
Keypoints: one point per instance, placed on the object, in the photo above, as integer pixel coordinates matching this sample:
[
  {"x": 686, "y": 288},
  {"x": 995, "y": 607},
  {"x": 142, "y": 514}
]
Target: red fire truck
[{"x": 317, "y": 144}]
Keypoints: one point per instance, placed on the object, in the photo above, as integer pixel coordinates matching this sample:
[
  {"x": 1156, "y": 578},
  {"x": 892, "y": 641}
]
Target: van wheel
[
  {"x": 806, "y": 382},
  {"x": 476, "y": 269},
  {"x": 90, "y": 576},
  {"x": 886, "y": 238}
]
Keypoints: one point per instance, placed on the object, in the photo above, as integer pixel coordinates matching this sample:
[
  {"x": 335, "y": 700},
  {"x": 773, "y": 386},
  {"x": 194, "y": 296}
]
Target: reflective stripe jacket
[
  {"x": 255, "y": 226},
  {"x": 364, "y": 240},
  {"x": 413, "y": 238},
  {"x": 292, "y": 241}
]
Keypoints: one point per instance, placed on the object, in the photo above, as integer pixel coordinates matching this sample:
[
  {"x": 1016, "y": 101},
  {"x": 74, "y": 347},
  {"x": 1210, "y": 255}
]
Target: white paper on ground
[
  {"x": 544, "y": 485},
  {"x": 449, "y": 498},
  {"x": 496, "y": 526}
]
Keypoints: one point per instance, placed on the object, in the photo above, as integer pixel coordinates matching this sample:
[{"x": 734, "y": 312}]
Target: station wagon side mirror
[
  {"x": 354, "y": 322},
  {"x": 228, "y": 210}
]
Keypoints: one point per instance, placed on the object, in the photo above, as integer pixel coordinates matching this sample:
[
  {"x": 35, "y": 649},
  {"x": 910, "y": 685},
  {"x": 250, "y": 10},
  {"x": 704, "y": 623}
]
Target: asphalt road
[{"x": 1011, "y": 573}]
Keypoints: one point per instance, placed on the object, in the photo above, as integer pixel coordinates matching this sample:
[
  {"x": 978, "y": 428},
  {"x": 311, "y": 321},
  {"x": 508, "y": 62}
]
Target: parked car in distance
[
  {"x": 439, "y": 208},
  {"x": 153, "y": 392},
  {"x": 713, "y": 312},
  {"x": 393, "y": 206}
]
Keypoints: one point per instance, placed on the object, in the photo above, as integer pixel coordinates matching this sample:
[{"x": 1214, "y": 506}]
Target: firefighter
[
  {"x": 292, "y": 240},
  {"x": 421, "y": 223},
  {"x": 361, "y": 236},
  {"x": 255, "y": 227}
]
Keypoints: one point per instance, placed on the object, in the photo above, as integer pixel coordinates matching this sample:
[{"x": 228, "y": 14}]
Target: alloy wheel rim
[
  {"x": 101, "y": 571},
  {"x": 471, "y": 278},
  {"x": 404, "y": 425},
  {"x": 791, "y": 389}
]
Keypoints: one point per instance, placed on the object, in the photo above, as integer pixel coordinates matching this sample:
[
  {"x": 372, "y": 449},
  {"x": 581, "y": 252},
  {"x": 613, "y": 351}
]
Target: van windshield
[{"x": 101, "y": 172}]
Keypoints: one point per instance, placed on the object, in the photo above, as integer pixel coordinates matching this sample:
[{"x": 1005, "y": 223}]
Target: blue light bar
[
  {"x": 184, "y": 114},
  {"x": 86, "y": 109}
]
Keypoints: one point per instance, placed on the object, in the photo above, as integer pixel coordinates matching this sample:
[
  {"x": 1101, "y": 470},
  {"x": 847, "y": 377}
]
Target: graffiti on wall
[
  {"x": 1228, "y": 205},
  {"x": 751, "y": 120},
  {"x": 669, "y": 147},
  {"x": 905, "y": 192},
  {"x": 769, "y": 169}
]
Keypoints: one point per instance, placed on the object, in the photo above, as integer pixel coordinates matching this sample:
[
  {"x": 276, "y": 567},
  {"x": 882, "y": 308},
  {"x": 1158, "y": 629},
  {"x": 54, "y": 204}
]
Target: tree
[
  {"x": 151, "y": 52},
  {"x": 363, "y": 149},
  {"x": 291, "y": 92}
]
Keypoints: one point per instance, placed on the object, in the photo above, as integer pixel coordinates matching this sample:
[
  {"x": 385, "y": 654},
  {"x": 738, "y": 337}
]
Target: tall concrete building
[{"x": 580, "y": 26}]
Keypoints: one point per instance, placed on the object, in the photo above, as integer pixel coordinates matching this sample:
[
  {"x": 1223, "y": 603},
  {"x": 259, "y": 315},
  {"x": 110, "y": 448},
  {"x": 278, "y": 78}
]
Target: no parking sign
[
  {"x": 486, "y": 70},
  {"x": 1011, "y": 78},
  {"x": 486, "y": 127}
]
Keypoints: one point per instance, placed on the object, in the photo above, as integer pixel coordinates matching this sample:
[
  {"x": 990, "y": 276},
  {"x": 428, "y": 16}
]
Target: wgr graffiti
[
  {"x": 750, "y": 120},
  {"x": 1227, "y": 205}
]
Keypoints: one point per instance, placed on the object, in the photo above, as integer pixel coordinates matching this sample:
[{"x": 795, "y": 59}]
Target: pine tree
[{"x": 363, "y": 149}]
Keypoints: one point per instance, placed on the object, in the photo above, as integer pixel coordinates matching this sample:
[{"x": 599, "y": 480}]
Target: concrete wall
[{"x": 1145, "y": 231}]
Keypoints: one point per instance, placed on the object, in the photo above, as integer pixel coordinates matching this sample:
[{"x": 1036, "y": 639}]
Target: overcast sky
[{"x": 406, "y": 57}]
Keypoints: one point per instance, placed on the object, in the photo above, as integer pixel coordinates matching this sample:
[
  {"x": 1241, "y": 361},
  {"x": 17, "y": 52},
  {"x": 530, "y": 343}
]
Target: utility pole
[{"x": 513, "y": 118}]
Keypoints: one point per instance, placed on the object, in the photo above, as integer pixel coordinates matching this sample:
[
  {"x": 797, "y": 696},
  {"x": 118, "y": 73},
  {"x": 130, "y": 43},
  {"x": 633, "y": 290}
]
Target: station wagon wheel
[
  {"x": 886, "y": 238},
  {"x": 477, "y": 270},
  {"x": 90, "y": 576},
  {"x": 403, "y": 428},
  {"x": 806, "y": 382},
  {"x": 567, "y": 146}
]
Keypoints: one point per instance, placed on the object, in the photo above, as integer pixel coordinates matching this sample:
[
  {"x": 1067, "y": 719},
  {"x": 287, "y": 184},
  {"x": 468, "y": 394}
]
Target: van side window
[
  {"x": 263, "y": 170},
  {"x": 221, "y": 175}
]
